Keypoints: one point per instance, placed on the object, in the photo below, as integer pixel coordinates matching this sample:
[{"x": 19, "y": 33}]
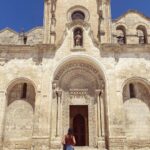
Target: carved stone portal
[{"x": 79, "y": 82}]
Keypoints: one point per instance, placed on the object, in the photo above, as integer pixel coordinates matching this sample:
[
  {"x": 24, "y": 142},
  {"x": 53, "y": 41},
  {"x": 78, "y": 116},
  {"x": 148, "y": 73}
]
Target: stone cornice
[
  {"x": 127, "y": 48},
  {"x": 52, "y": 48},
  {"x": 36, "y": 52},
  {"x": 26, "y": 48}
]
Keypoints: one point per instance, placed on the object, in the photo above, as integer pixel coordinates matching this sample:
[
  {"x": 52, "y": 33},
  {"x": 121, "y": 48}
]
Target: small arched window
[
  {"x": 78, "y": 37},
  {"x": 121, "y": 35},
  {"x": 24, "y": 90},
  {"x": 25, "y": 40},
  {"x": 142, "y": 34},
  {"x": 23, "y": 37},
  {"x": 78, "y": 15},
  {"x": 132, "y": 90}
]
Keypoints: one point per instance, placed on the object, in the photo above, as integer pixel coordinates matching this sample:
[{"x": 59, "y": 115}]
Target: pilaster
[
  {"x": 41, "y": 134},
  {"x": 56, "y": 117},
  {"x": 105, "y": 27},
  {"x": 100, "y": 119},
  {"x": 116, "y": 117},
  {"x": 47, "y": 21},
  {"x": 3, "y": 103}
]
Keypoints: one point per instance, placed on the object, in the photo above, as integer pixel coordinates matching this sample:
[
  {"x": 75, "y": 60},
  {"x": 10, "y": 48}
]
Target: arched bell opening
[
  {"x": 121, "y": 34},
  {"x": 79, "y": 87},
  {"x": 142, "y": 34}
]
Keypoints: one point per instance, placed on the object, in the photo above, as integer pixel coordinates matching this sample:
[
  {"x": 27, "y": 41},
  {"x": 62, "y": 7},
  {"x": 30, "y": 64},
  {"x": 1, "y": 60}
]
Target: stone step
[
  {"x": 86, "y": 148},
  {"x": 83, "y": 148}
]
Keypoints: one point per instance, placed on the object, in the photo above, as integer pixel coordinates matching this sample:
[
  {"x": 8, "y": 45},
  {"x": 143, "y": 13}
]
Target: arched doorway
[
  {"x": 77, "y": 91},
  {"x": 79, "y": 123}
]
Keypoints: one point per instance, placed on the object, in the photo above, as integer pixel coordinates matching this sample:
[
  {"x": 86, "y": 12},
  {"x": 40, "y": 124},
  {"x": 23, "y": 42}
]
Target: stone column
[
  {"x": 98, "y": 113},
  {"x": 36, "y": 125},
  {"x": 3, "y": 103},
  {"x": 102, "y": 114},
  {"x": 100, "y": 119},
  {"x": 58, "y": 121}
]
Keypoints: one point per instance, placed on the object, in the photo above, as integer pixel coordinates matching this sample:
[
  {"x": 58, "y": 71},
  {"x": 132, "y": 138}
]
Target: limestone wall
[
  {"x": 7, "y": 36},
  {"x": 39, "y": 64},
  {"x": 34, "y": 36}
]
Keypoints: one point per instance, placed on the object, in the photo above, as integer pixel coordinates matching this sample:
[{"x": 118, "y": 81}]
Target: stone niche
[
  {"x": 18, "y": 129},
  {"x": 137, "y": 115}
]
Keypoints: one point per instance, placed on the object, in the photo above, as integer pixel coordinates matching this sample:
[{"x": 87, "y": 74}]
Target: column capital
[
  {"x": 2, "y": 91},
  {"x": 98, "y": 92},
  {"x": 59, "y": 93},
  {"x": 54, "y": 84}
]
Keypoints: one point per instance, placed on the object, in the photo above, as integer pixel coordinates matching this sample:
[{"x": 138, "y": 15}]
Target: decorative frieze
[{"x": 78, "y": 92}]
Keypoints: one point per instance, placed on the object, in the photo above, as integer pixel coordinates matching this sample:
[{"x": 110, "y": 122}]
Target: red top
[{"x": 69, "y": 140}]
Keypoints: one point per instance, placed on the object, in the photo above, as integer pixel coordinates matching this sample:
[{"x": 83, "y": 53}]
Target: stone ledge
[
  {"x": 77, "y": 49},
  {"x": 125, "y": 48},
  {"x": 26, "y": 48}
]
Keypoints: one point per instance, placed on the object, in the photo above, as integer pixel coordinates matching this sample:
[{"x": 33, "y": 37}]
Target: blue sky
[
  {"x": 18, "y": 14},
  {"x": 119, "y": 7}
]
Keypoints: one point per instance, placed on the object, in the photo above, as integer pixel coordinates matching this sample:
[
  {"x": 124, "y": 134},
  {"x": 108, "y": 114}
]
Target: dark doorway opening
[{"x": 79, "y": 123}]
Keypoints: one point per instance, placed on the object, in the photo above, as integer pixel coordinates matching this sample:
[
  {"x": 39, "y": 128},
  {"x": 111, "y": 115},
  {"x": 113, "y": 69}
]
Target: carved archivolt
[{"x": 79, "y": 75}]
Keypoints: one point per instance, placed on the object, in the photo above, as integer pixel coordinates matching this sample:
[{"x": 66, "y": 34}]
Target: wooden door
[{"x": 79, "y": 123}]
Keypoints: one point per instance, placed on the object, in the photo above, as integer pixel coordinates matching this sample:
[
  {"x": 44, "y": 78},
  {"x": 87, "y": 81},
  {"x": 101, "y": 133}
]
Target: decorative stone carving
[
  {"x": 78, "y": 37},
  {"x": 78, "y": 92},
  {"x": 78, "y": 81},
  {"x": 81, "y": 9},
  {"x": 78, "y": 23},
  {"x": 73, "y": 65}
]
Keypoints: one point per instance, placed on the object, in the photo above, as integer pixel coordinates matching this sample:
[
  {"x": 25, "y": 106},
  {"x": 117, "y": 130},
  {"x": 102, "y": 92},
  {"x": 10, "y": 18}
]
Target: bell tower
[{"x": 58, "y": 13}]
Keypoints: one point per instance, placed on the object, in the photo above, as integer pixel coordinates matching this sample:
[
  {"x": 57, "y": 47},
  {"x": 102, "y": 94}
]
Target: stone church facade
[{"x": 81, "y": 70}]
